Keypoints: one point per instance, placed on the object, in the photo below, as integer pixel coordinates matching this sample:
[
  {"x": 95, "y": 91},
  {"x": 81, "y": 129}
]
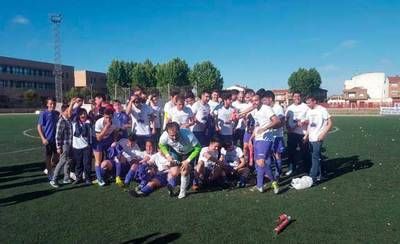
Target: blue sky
[{"x": 257, "y": 43}]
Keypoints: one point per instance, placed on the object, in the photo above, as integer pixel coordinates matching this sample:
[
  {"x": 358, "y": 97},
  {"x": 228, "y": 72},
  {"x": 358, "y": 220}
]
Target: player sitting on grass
[
  {"x": 180, "y": 145},
  {"x": 234, "y": 163},
  {"x": 209, "y": 168},
  {"x": 159, "y": 172}
]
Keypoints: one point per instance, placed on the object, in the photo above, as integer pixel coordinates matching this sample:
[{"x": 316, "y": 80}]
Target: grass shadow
[
  {"x": 13, "y": 170},
  {"x": 155, "y": 238}
]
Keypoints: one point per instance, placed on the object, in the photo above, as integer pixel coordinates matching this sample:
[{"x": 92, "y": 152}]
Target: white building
[{"x": 376, "y": 84}]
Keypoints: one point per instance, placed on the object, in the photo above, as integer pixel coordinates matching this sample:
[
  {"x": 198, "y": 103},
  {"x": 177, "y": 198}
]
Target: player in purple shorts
[
  {"x": 104, "y": 128},
  {"x": 265, "y": 121}
]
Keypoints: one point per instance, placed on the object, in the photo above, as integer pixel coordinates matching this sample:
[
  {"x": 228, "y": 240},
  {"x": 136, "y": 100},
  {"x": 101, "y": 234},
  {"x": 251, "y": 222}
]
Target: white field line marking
[
  {"x": 23, "y": 150},
  {"x": 335, "y": 129},
  {"x": 25, "y": 133}
]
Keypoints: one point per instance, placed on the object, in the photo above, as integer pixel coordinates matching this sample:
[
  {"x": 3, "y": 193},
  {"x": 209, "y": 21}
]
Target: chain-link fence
[{"x": 123, "y": 93}]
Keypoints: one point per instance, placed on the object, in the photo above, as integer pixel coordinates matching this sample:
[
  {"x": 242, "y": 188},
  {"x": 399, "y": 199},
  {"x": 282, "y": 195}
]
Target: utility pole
[{"x": 57, "y": 71}]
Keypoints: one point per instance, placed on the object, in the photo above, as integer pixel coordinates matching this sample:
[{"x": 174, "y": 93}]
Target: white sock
[{"x": 184, "y": 183}]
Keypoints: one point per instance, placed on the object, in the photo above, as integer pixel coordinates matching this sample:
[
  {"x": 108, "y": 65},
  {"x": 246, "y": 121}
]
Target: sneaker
[
  {"x": 119, "y": 182},
  {"x": 255, "y": 188},
  {"x": 54, "y": 184},
  {"x": 88, "y": 182},
  {"x": 182, "y": 194},
  {"x": 101, "y": 182},
  {"x": 72, "y": 176},
  {"x": 67, "y": 181},
  {"x": 77, "y": 182},
  {"x": 241, "y": 184},
  {"x": 275, "y": 187},
  {"x": 134, "y": 193},
  {"x": 289, "y": 173},
  {"x": 45, "y": 171},
  {"x": 171, "y": 191}
]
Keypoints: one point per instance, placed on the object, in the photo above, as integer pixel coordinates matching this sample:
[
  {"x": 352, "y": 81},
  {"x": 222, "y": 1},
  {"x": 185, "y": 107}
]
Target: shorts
[
  {"x": 262, "y": 149},
  {"x": 203, "y": 139},
  {"x": 162, "y": 177},
  {"x": 103, "y": 145},
  {"x": 279, "y": 145},
  {"x": 246, "y": 137},
  {"x": 125, "y": 167}
]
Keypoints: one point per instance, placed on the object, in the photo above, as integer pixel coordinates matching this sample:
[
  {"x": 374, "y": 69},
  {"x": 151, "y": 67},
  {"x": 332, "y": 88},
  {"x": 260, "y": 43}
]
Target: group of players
[{"x": 220, "y": 138}]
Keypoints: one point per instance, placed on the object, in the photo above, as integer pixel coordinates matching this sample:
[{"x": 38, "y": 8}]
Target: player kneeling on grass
[
  {"x": 209, "y": 168},
  {"x": 180, "y": 145},
  {"x": 155, "y": 173},
  {"x": 139, "y": 166},
  {"x": 235, "y": 164}
]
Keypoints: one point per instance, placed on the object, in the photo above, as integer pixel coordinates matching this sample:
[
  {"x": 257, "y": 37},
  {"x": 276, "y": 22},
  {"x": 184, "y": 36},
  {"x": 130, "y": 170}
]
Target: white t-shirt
[
  {"x": 141, "y": 120},
  {"x": 99, "y": 125},
  {"x": 158, "y": 114},
  {"x": 224, "y": 119},
  {"x": 79, "y": 142},
  {"x": 208, "y": 163},
  {"x": 240, "y": 107},
  {"x": 213, "y": 105},
  {"x": 262, "y": 117},
  {"x": 184, "y": 145},
  {"x": 160, "y": 161},
  {"x": 296, "y": 113},
  {"x": 130, "y": 153},
  {"x": 232, "y": 158},
  {"x": 181, "y": 116},
  {"x": 317, "y": 120},
  {"x": 278, "y": 110},
  {"x": 201, "y": 112}
]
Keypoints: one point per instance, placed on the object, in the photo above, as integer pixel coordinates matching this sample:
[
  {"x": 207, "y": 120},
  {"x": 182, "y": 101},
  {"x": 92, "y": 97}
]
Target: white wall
[{"x": 376, "y": 84}]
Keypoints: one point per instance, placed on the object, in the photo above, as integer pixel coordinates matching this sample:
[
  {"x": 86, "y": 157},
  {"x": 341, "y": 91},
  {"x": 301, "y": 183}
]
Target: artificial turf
[{"x": 359, "y": 203}]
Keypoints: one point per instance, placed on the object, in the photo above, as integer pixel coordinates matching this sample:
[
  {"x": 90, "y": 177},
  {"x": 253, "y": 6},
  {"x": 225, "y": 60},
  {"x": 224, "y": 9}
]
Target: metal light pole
[{"x": 57, "y": 71}]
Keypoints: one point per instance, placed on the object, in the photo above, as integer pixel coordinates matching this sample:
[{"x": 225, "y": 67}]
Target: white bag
[{"x": 302, "y": 183}]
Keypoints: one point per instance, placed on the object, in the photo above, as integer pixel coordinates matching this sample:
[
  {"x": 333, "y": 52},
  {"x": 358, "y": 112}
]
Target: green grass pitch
[{"x": 359, "y": 204}]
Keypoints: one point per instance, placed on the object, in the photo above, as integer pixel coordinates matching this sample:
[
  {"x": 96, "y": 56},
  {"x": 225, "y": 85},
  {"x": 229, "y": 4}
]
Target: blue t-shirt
[
  {"x": 48, "y": 121},
  {"x": 122, "y": 119}
]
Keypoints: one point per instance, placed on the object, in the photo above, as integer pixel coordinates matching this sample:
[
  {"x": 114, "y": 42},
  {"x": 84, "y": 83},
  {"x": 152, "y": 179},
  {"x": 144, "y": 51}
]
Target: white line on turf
[
  {"x": 25, "y": 133},
  {"x": 335, "y": 129},
  {"x": 23, "y": 150}
]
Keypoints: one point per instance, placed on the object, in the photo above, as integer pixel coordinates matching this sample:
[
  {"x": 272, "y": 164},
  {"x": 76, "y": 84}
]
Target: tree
[
  {"x": 205, "y": 76},
  {"x": 144, "y": 74},
  {"x": 175, "y": 73},
  {"x": 304, "y": 81},
  {"x": 117, "y": 75},
  {"x": 77, "y": 91},
  {"x": 31, "y": 98}
]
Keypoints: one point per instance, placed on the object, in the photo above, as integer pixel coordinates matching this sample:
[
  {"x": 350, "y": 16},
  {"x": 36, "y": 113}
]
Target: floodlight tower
[{"x": 57, "y": 71}]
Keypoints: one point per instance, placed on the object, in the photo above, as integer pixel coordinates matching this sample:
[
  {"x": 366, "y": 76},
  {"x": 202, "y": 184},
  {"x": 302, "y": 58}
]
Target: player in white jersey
[
  {"x": 214, "y": 102},
  {"x": 158, "y": 113},
  {"x": 169, "y": 106},
  {"x": 181, "y": 114},
  {"x": 209, "y": 168},
  {"x": 278, "y": 146},
  {"x": 240, "y": 105},
  {"x": 319, "y": 123},
  {"x": 225, "y": 118},
  {"x": 201, "y": 114},
  {"x": 265, "y": 121},
  {"x": 296, "y": 128},
  {"x": 142, "y": 116},
  {"x": 234, "y": 163}
]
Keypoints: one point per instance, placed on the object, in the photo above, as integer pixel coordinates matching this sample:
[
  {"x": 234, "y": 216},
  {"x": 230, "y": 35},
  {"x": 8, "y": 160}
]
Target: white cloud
[
  {"x": 346, "y": 44},
  {"x": 20, "y": 20}
]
